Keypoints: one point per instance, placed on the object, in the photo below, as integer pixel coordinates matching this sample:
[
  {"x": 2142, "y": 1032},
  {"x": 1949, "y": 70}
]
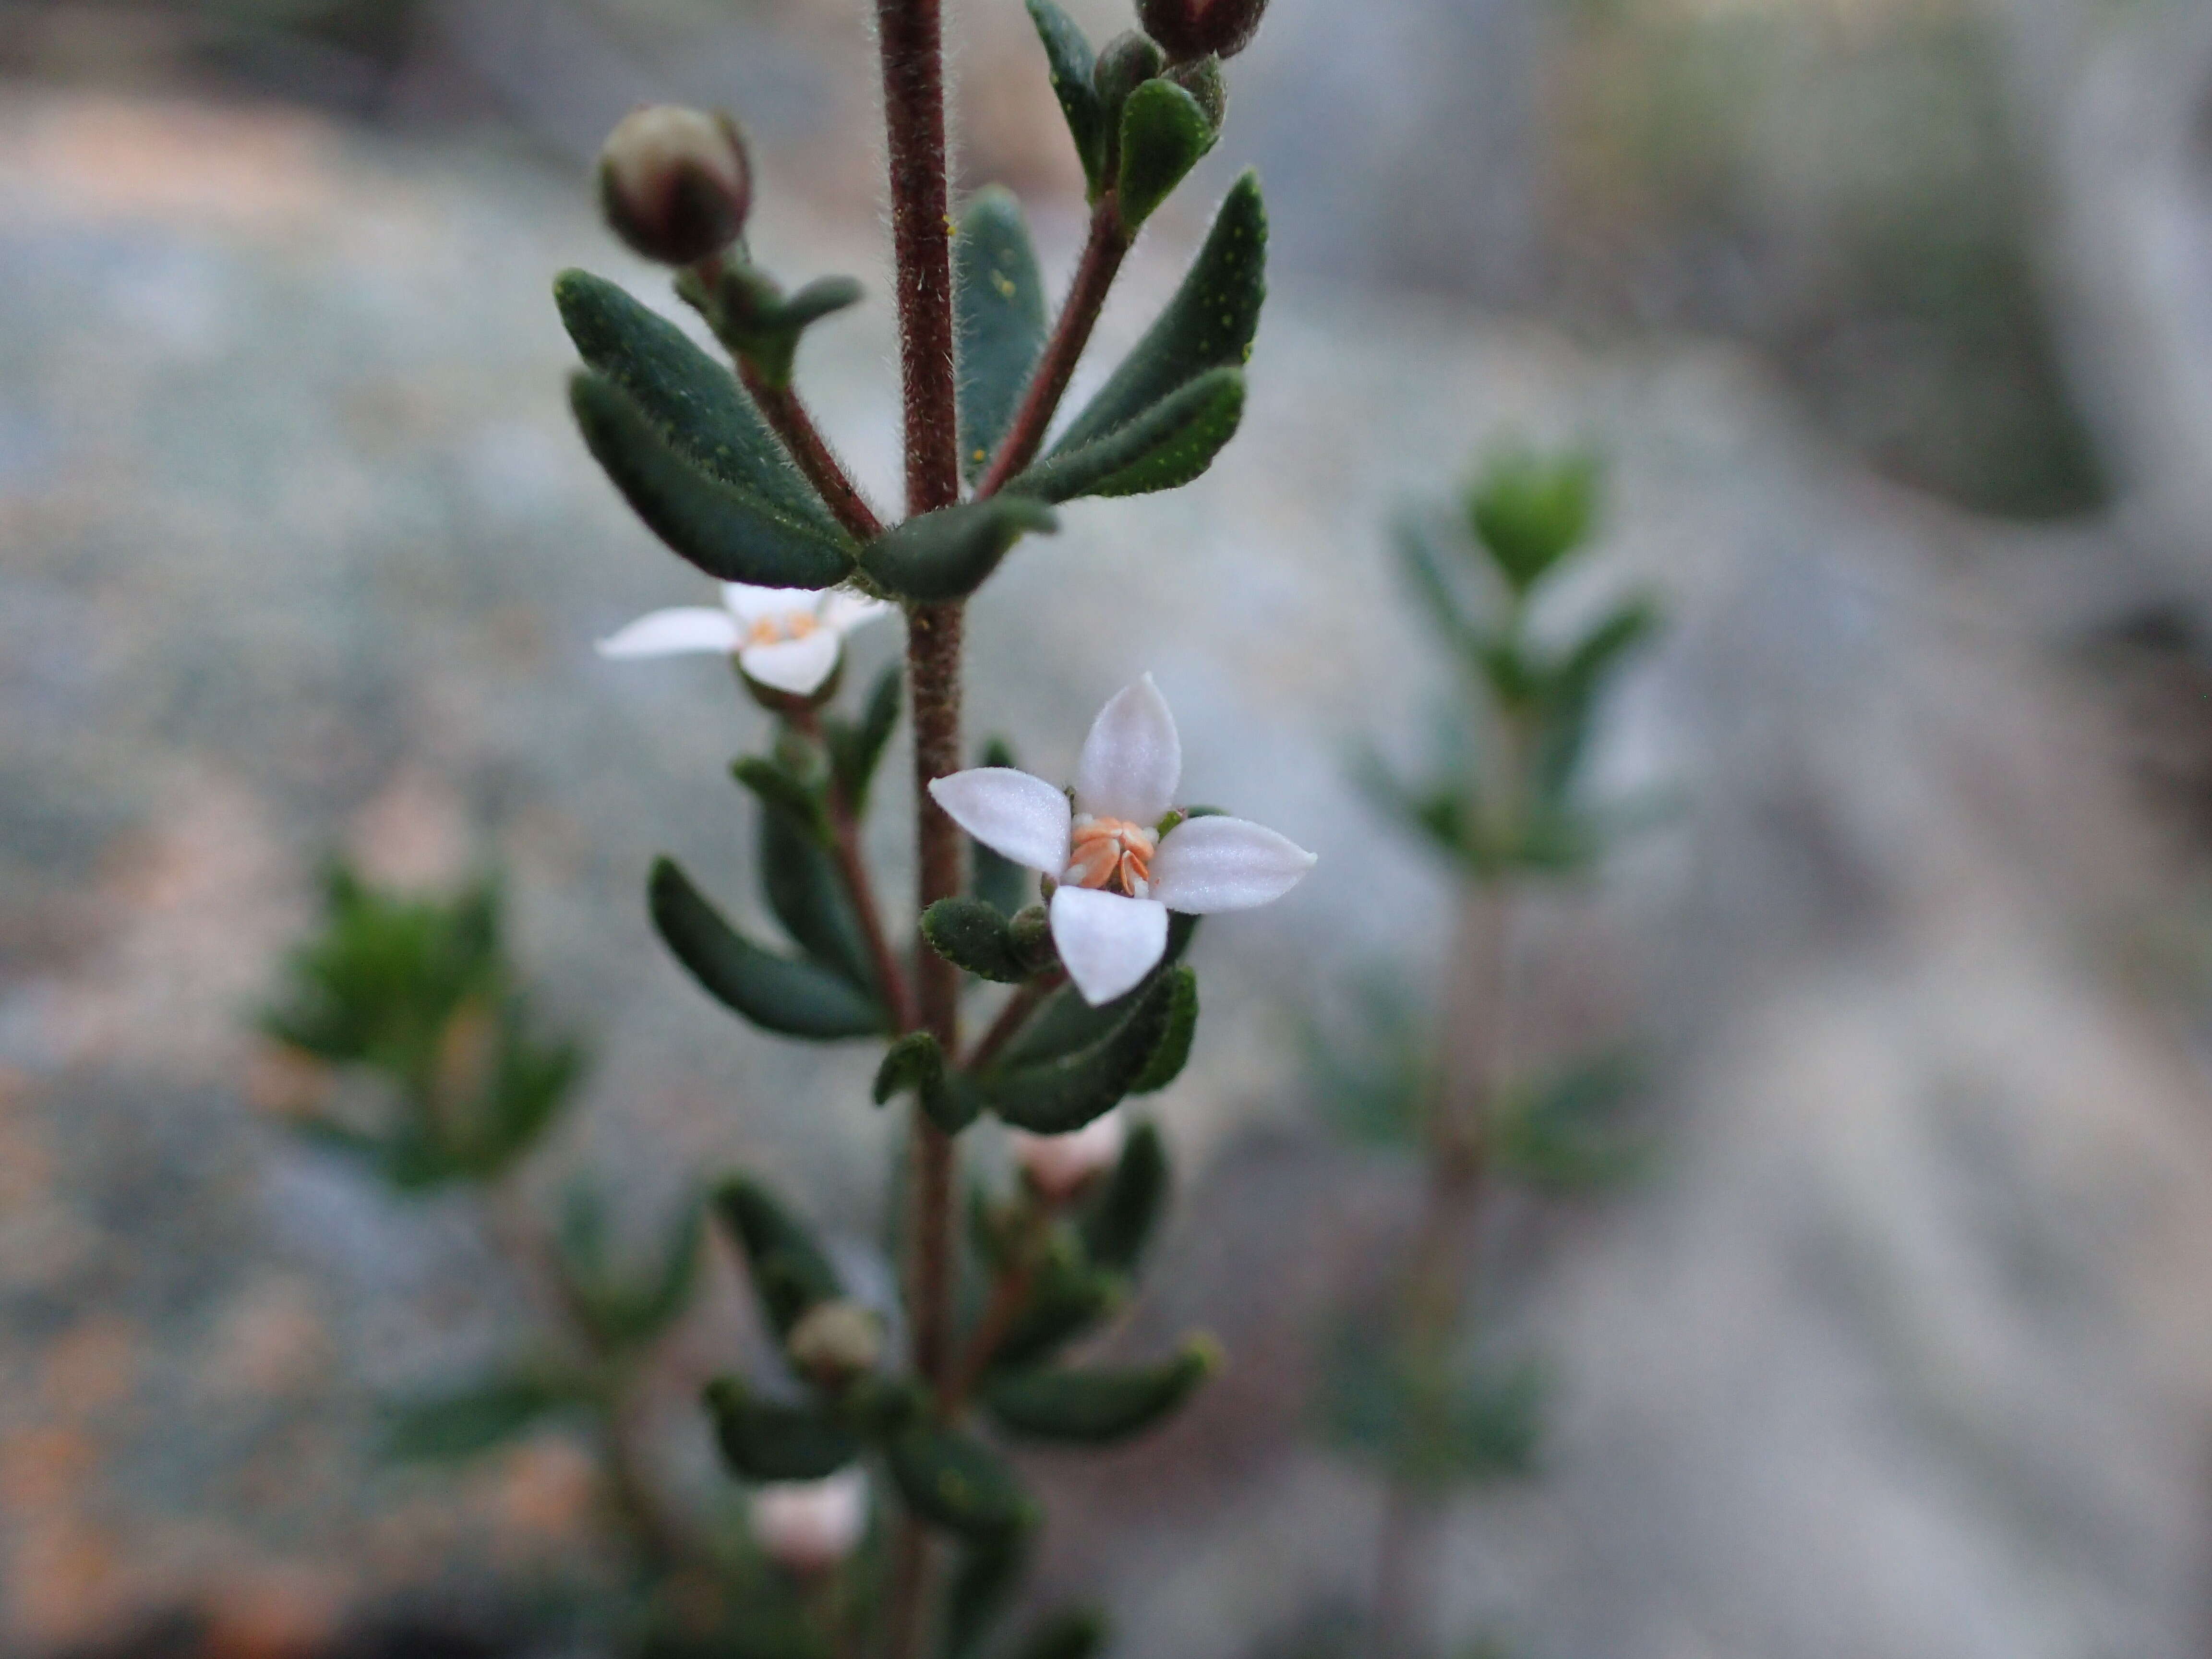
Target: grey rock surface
[{"x": 1903, "y": 1350}]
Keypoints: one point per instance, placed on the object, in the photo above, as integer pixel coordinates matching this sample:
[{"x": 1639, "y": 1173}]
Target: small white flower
[
  {"x": 1060, "y": 1166},
  {"x": 786, "y": 638},
  {"x": 1119, "y": 873},
  {"x": 810, "y": 1526}
]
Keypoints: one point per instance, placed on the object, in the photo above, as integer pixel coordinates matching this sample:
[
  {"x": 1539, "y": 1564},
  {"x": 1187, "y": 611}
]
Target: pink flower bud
[
  {"x": 1057, "y": 1167},
  {"x": 810, "y": 1526},
  {"x": 675, "y": 183},
  {"x": 1192, "y": 28}
]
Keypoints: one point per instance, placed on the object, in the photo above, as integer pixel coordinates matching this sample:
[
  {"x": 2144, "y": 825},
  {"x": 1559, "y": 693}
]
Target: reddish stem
[
  {"x": 780, "y": 407},
  {"x": 1011, "y": 1018},
  {"x": 1103, "y": 253},
  {"x": 852, "y": 870}
]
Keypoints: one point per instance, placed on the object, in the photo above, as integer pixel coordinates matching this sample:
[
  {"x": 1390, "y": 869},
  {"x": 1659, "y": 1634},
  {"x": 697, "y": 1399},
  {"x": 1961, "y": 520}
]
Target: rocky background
[{"x": 1892, "y": 319}]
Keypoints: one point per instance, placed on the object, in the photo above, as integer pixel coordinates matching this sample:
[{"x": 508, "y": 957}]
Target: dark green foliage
[
  {"x": 782, "y": 791},
  {"x": 957, "y": 1482},
  {"x": 1070, "y": 1633},
  {"x": 1098, "y": 1407},
  {"x": 1208, "y": 324},
  {"x": 453, "y": 1427},
  {"x": 1067, "y": 1297},
  {"x": 915, "y": 1062},
  {"x": 1529, "y": 514},
  {"x": 1566, "y": 1135},
  {"x": 1372, "y": 1068},
  {"x": 1164, "y": 134},
  {"x": 761, "y": 325},
  {"x": 974, "y": 936},
  {"x": 1072, "y": 62},
  {"x": 998, "y": 881},
  {"x": 856, "y": 747},
  {"x": 789, "y": 1272},
  {"x": 1434, "y": 1433},
  {"x": 999, "y": 299},
  {"x": 622, "y": 1312},
  {"x": 1053, "y": 1096},
  {"x": 1066, "y": 1023},
  {"x": 778, "y": 994},
  {"x": 1173, "y": 1052},
  {"x": 1119, "y": 1220},
  {"x": 801, "y": 883},
  {"x": 988, "y": 1575},
  {"x": 729, "y": 531},
  {"x": 1164, "y": 448},
  {"x": 1125, "y": 63},
  {"x": 769, "y": 1440},
  {"x": 420, "y": 994},
  {"x": 947, "y": 553}
]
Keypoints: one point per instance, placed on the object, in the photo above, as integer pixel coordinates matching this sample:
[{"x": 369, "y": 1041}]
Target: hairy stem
[
  {"x": 1011, "y": 1018},
  {"x": 1103, "y": 253},
  {"x": 911, "y": 36},
  {"x": 780, "y": 407},
  {"x": 853, "y": 871}
]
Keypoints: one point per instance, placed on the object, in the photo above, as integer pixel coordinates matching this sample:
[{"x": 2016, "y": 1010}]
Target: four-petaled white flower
[
  {"x": 1119, "y": 871},
  {"x": 786, "y": 638}
]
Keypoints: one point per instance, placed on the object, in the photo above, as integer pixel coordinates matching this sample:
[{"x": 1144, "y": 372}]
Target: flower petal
[
  {"x": 672, "y": 633},
  {"x": 1133, "y": 759},
  {"x": 843, "y": 610},
  {"x": 749, "y": 604},
  {"x": 1015, "y": 815},
  {"x": 1210, "y": 864},
  {"x": 1106, "y": 942},
  {"x": 798, "y": 666}
]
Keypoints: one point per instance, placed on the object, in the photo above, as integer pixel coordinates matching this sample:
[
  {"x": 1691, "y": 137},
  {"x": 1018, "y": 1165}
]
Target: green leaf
[
  {"x": 1567, "y": 1134},
  {"x": 790, "y": 1273},
  {"x": 1054, "y": 1097},
  {"x": 1208, "y": 324},
  {"x": 1164, "y": 447},
  {"x": 803, "y": 886},
  {"x": 626, "y": 1314},
  {"x": 451, "y": 1428},
  {"x": 752, "y": 315},
  {"x": 1070, "y": 1633},
  {"x": 949, "y": 553},
  {"x": 1164, "y": 134},
  {"x": 1066, "y": 1023},
  {"x": 957, "y": 1482},
  {"x": 729, "y": 531},
  {"x": 1528, "y": 513},
  {"x": 974, "y": 936},
  {"x": 1174, "y": 1050},
  {"x": 998, "y": 880},
  {"x": 1443, "y": 596},
  {"x": 999, "y": 299},
  {"x": 989, "y": 1574},
  {"x": 1118, "y": 1221},
  {"x": 1067, "y": 1297},
  {"x": 856, "y": 748},
  {"x": 1095, "y": 1407},
  {"x": 1072, "y": 61},
  {"x": 781, "y": 791},
  {"x": 915, "y": 1062},
  {"x": 769, "y": 1440},
  {"x": 798, "y": 998}
]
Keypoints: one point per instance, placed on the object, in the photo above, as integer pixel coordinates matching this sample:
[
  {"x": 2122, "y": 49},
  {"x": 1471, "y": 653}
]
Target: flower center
[
  {"x": 1111, "y": 854},
  {"x": 780, "y": 630}
]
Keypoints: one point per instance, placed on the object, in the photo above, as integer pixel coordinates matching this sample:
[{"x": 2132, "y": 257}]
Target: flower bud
[
  {"x": 810, "y": 1526},
  {"x": 675, "y": 183},
  {"x": 1201, "y": 77},
  {"x": 1057, "y": 1167},
  {"x": 1192, "y": 28},
  {"x": 1125, "y": 63},
  {"x": 836, "y": 1341}
]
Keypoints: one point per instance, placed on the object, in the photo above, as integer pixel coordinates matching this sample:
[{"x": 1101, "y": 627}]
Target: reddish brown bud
[
  {"x": 675, "y": 183},
  {"x": 1191, "y": 28}
]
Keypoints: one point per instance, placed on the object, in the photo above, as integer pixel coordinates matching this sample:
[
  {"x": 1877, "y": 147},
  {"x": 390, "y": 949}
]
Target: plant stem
[
  {"x": 780, "y": 407},
  {"x": 1008, "y": 1295},
  {"x": 1011, "y": 1018},
  {"x": 852, "y": 870},
  {"x": 910, "y": 35},
  {"x": 1103, "y": 253}
]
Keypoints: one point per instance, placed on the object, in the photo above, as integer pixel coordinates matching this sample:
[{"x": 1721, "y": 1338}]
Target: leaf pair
[
  {"x": 624, "y": 1311},
  {"x": 1134, "y": 132}
]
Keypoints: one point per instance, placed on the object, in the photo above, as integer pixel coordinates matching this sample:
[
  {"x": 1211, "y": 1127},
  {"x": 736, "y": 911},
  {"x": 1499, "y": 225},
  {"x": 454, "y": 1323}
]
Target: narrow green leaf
[
  {"x": 730, "y": 533},
  {"x": 1174, "y": 1050},
  {"x": 453, "y": 1427},
  {"x": 989, "y": 1574},
  {"x": 1096, "y": 1407},
  {"x": 1208, "y": 324},
  {"x": 974, "y": 936},
  {"x": 1166, "y": 447},
  {"x": 1066, "y": 1298},
  {"x": 803, "y": 886},
  {"x": 856, "y": 748},
  {"x": 998, "y": 297},
  {"x": 781, "y": 791},
  {"x": 1528, "y": 513},
  {"x": 769, "y": 1440},
  {"x": 1066, "y": 1023},
  {"x": 915, "y": 1062},
  {"x": 797, "y": 999},
  {"x": 959, "y": 1483},
  {"x": 948, "y": 554},
  {"x": 1069, "y": 1633},
  {"x": 1054, "y": 1097},
  {"x": 1570, "y": 1132},
  {"x": 1118, "y": 1221},
  {"x": 1164, "y": 134},
  {"x": 1068, "y": 53},
  {"x": 790, "y": 1273}
]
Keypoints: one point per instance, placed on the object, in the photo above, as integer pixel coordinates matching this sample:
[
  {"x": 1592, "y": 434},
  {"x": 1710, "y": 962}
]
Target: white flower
[
  {"x": 786, "y": 638},
  {"x": 1119, "y": 872},
  {"x": 1060, "y": 1166},
  {"x": 810, "y": 1526}
]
